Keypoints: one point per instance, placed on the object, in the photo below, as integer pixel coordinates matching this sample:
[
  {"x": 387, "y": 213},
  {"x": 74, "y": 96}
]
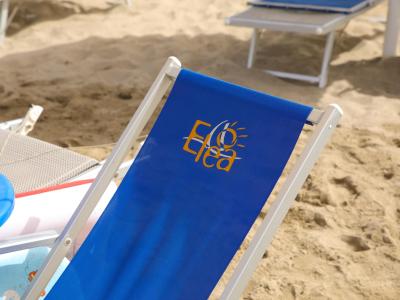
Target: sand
[{"x": 89, "y": 64}]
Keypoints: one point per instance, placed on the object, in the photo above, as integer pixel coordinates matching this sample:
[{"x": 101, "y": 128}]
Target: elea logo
[{"x": 215, "y": 146}]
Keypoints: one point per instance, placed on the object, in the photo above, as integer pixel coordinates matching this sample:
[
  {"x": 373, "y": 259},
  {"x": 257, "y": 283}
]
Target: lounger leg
[
  {"x": 128, "y": 2},
  {"x": 323, "y": 76},
  {"x": 327, "y": 59},
  {"x": 252, "y": 50},
  {"x": 392, "y": 29},
  {"x": 3, "y": 19}
]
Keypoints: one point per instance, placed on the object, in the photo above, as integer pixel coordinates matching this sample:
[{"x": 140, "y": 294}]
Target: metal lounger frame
[
  {"x": 328, "y": 29},
  {"x": 321, "y": 79},
  {"x": 392, "y": 33},
  {"x": 325, "y": 123},
  {"x": 28, "y": 241}
]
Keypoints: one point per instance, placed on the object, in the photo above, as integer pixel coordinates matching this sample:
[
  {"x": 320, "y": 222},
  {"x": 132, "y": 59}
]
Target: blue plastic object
[
  {"x": 323, "y": 5},
  {"x": 6, "y": 199},
  {"x": 191, "y": 196}
]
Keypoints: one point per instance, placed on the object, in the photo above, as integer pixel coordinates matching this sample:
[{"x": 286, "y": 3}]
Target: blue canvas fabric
[
  {"x": 323, "y": 5},
  {"x": 195, "y": 189}
]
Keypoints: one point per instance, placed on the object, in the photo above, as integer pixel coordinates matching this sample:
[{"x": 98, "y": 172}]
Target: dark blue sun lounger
[{"x": 192, "y": 194}]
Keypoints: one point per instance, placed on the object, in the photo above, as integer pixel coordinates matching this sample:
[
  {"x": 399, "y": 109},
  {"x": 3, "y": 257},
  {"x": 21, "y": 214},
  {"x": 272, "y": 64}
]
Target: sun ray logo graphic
[{"x": 219, "y": 147}]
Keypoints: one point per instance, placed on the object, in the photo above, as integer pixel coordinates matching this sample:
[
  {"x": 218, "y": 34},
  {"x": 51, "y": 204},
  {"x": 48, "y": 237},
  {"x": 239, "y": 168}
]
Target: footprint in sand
[
  {"x": 388, "y": 173},
  {"x": 348, "y": 183},
  {"x": 68, "y": 143},
  {"x": 320, "y": 220},
  {"x": 355, "y": 242},
  {"x": 377, "y": 234},
  {"x": 396, "y": 142},
  {"x": 312, "y": 194}
]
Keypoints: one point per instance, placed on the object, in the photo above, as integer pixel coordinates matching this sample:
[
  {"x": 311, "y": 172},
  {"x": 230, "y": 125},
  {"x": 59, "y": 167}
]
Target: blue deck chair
[
  {"x": 195, "y": 189},
  {"x": 320, "y": 17}
]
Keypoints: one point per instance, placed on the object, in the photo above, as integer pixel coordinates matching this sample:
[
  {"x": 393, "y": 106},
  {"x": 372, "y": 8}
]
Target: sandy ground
[{"x": 89, "y": 64}]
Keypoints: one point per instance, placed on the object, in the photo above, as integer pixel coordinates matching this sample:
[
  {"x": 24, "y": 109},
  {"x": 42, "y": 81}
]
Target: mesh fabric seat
[{"x": 32, "y": 164}]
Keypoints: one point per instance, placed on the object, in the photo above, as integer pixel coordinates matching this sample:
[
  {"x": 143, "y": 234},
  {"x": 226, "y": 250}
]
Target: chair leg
[
  {"x": 3, "y": 19},
  {"x": 330, "y": 41},
  {"x": 252, "y": 50},
  {"x": 392, "y": 29}
]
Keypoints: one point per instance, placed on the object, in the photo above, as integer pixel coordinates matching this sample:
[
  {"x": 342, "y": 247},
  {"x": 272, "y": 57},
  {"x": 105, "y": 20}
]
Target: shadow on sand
[
  {"x": 374, "y": 77},
  {"x": 98, "y": 79}
]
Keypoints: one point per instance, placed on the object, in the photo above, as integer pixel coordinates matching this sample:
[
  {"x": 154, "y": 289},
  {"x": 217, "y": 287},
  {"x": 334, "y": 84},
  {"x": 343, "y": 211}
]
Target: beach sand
[{"x": 89, "y": 64}]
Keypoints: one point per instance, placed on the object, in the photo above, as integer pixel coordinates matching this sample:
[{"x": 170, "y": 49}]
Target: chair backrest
[
  {"x": 346, "y": 6},
  {"x": 195, "y": 189}
]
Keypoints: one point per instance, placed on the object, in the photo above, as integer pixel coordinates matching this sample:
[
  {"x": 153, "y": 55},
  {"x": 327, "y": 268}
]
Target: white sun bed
[{"x": 309, "y": 22}]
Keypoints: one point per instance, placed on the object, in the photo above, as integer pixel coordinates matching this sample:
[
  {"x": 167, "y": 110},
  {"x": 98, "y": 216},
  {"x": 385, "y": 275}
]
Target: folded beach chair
[
  {"x": 306, "y": 17},
  {"x": 192, "y": 194}
]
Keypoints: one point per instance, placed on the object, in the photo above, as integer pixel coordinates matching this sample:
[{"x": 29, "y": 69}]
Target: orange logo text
[{"x": 215, "y": 147}]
